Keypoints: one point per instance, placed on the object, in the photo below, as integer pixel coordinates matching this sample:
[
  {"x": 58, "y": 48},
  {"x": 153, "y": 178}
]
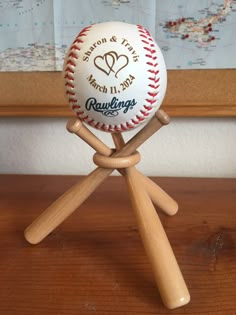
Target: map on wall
[
  {"x": 35, "y": 34},
  {"x": 197, "y": 34}
]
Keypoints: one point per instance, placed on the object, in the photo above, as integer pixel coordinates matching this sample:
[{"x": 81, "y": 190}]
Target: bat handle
[
  {"x": 64, "y": 206},
  {"x": 76, "y": 126},
  {"x": 169, "y": 279}
]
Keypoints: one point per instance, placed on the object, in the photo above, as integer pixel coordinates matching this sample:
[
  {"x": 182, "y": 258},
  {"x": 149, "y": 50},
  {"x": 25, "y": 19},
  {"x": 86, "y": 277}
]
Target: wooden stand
[{"x": 143, "y": 193}]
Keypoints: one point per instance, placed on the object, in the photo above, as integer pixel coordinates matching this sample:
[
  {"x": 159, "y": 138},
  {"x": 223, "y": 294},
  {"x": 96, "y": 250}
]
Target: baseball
[{"x": 115, "y": 76}]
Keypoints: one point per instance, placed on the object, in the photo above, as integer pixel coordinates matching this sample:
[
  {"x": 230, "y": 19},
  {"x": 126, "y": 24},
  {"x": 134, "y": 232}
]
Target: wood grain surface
[
  {"x": 94, "y": 263},
  {"x": 189, "y": 93}
]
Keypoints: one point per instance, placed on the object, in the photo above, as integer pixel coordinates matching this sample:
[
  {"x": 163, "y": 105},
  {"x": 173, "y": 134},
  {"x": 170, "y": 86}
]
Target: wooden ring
[{"x": 116, "y": 162}]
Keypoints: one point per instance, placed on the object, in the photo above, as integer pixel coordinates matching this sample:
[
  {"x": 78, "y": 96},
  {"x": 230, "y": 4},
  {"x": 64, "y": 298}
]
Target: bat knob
[
  {"x": 162, "y": 117},
  {"x": 74, "y": 125}
]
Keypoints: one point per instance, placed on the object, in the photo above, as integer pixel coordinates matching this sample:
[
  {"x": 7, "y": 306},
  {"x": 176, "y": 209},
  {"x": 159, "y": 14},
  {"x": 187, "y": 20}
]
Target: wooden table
[{"x": 94, "y": 263}]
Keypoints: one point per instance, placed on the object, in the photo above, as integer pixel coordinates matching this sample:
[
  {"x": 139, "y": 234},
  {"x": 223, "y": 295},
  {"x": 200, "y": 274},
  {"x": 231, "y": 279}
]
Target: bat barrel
[{"x": 169, "y": 279}]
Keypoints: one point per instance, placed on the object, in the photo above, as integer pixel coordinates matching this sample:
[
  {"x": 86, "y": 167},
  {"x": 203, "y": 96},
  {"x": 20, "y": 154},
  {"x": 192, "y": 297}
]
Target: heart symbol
[
  {"x": 104, "y": 63},
  {"x": 111, "y": 62}
]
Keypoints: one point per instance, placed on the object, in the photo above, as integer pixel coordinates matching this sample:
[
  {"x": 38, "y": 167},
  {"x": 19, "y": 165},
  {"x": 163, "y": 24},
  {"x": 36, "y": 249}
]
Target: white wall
[{"x": 200, "y": 147}]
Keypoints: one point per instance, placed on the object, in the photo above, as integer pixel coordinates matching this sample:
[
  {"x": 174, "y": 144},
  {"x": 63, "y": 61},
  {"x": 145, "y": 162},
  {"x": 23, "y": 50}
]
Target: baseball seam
[
  {"x": 154, "y": 84},
  {"x": 69, "y": 71}
]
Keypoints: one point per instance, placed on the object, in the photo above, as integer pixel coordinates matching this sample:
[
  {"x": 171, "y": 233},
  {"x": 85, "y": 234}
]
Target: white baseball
[{"x": 115, "y": 76}]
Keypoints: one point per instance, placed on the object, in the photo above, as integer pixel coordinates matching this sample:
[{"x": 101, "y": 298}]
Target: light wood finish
[
  {"x": 189, "y": 93},
  {"x": 64, "y": 206},
  {"x": 159, "y": 197},
  {"x": 159, "y": 120},
  {"x": 75, "y": 126},
  {"x": 95, "y": 262},
  {"x": 55, "y": 214},
  {"x": 166, "y": 271},
  {"x": 116, "y": 162}
]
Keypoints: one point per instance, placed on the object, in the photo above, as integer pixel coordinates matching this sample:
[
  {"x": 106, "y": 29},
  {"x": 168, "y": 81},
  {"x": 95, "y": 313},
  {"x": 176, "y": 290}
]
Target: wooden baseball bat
[
  {"x": 159, "y": 197},
  {"x": 65, "y": 205},
  {"x": 169, "y": 279},
  {"x": 165, "y": 267}
]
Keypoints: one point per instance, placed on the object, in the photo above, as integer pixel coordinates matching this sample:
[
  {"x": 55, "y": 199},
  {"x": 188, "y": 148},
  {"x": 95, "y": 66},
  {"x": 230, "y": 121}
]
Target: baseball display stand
[{"x": 115, "y": 80}]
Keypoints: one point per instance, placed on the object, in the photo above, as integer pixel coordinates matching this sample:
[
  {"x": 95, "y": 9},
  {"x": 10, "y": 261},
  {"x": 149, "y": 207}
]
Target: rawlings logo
[{"x": 110, "y": 109}]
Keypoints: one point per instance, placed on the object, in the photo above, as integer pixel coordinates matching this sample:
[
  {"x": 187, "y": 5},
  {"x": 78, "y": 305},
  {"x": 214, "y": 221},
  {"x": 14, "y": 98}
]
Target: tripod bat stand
[{"x": 143, "y": 193}]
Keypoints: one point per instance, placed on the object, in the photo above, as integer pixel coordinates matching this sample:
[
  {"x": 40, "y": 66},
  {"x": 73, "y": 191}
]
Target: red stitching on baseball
[
  {"x": 77, "y": 41},
  {"x": 140, "y": 118},
  {"x": 73, "y": 55},
  {"x": 153, "y": 71},
  {"x": 149, "y": 46},
  {"x": 150, "y": 50},
  {"x": 103, "y": 127},
  {"x": 150, "y": 101},
  {"x": 129, "y": 126},
  {"x": 80, "y": 113},
  {"x": 69, "y": 62},
  {"x": 149, "y": 56},
  {"x": 70, "y": 93},
  {"x": 75, "y": 106},
  {"x": 154, "y": 79},
  {"x": 75, "y": 47},
  {"x": 91, "y": 121},
  {"x": 68, "y": 69},
  {"x": 69, "y": 77},
  {"x": 151, "y": 64},
  {"x": 144, "y": 113},
  {"x": 144, "y": 36},
  {"x": 135, "y": 122},
  {"x": 141, "y": 29},
  {"x": 154, "y": 86},
  {"x": 69, "y": 84},
  {"x": 152, "y": 94}
]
